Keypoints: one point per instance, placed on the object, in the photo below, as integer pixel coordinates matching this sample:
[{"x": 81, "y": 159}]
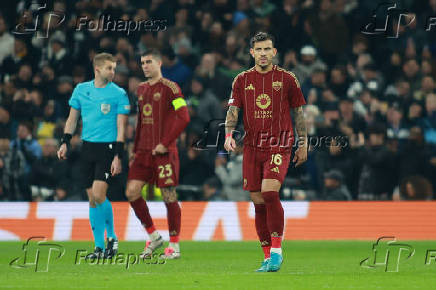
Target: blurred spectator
[
  {"x": 429, "y": 122},
  {"x": 14, "y": 179},
  {"x": 309, "y": 63},
  {"x": 230, "y": 175},
  {"x": 173, "y": 68},
  {"x": 330, "y": 31},
  {"x": 209, "y": 108},
  {"x": 20, "y": 56},
  {"x": 213, "y": 78},
  {"x": 416, "y": 188},
  {"x": 48, "y": 173},
  {"x": 194, "y": 167},
  {"x": 4, "y": 123},
  {"x": 334, "y": 189},
  {"x": 58, "y": 57},
  {"x": 6, "y": 40},
  {"x": 337, "y": 156},
  {"x": 415, "y": 157},
  {"x": 377, "y": 178},
  {"x": 212, "y": 190},
  {"x": 397, "y": 128},
  {"x": 27, "y": 144}
]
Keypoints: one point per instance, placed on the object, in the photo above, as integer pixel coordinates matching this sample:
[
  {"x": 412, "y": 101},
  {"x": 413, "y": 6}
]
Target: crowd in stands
[{"x": 371, "y": 101}]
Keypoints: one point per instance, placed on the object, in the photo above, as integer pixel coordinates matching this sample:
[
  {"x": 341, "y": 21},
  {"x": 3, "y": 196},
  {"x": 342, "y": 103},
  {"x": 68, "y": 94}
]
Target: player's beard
[{"x": 265, "y": 65}]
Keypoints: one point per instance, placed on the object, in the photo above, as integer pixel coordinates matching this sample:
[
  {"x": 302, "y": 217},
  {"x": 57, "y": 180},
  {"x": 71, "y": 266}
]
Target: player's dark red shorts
[
  {"x": 258, "y": 165},
  {"x": 162, "y": 170}
]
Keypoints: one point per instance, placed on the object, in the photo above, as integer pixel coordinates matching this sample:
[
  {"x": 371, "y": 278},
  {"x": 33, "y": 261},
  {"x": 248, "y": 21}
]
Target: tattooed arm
[
  {"x": 300, "y": 126},
  {"x": 231, "y": 121}
]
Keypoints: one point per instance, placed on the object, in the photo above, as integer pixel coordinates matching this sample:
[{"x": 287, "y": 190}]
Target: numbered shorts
[
  {"x": 162, "y": 170},
  {"x": 258, "y": 165},
  {"x": 95, "y": 162}
]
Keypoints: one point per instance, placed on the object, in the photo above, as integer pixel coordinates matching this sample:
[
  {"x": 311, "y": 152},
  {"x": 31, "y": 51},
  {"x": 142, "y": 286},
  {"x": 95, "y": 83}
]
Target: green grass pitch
[{"x": 226, "y": 265}]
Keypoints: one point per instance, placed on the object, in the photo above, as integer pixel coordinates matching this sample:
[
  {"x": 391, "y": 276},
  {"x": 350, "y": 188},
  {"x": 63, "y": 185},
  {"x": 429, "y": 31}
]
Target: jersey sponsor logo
[
  {"x": 277, "y": 85},
  {"x": 105, "y": 108},
  {"x": 262, "y": 114},
  {"x": 156, "y": 96},
  {"x": 147, "y": 110},
  {"x": 250, "y": 87},
  {"x": 263, "y": 101}
]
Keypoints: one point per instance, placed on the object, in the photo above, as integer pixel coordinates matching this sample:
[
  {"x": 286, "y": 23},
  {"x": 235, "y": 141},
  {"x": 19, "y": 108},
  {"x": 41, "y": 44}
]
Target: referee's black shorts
[{"x": 95, "y": 162}]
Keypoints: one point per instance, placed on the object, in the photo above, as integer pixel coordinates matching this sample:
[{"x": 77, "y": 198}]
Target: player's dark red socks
[
  {"x": 275, "y": 218},
  {"x": 174, "y": 220},
  {"x": 141, "y": 210},
  {"x": 262, "y": 228}
]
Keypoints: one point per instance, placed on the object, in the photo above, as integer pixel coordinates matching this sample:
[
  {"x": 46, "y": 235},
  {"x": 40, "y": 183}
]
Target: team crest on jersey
[
  {"x": 140, "y": 98},
  {"x": 263, "y": 101},
  {"x": 105, "y": 108},
  {"x": 147, "y": 110},
  {"x": 156, "y": 97},
  {"x": 277, "y": 85}
]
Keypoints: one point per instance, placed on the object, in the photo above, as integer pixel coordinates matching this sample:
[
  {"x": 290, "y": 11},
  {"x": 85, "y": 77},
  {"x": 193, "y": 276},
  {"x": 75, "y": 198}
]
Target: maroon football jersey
[
  {"x": 154, "y": 110},
  {"x": 266, "y": 100}
]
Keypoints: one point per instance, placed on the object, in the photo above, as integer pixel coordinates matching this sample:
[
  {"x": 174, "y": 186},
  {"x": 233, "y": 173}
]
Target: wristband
[
  {"x": 66, "y": 139},
  {"x": 119, "y": 149},
  {"x": 228, "y": 135}
]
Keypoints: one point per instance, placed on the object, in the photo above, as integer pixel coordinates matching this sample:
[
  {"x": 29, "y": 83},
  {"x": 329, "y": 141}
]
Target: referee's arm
[
  {"x": 70, "y": 127},
  {"x": 121, "y": 129}
]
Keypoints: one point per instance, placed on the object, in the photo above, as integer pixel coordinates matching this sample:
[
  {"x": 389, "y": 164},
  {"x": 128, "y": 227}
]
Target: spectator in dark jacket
[
  {"x": 334, "y": 189},
  {"x": 48, "y": 173},
  {"x": 377, "y": 178}
]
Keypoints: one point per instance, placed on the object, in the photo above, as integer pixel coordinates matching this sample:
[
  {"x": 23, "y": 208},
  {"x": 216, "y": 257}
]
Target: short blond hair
[{"x": 100, "y": 58}]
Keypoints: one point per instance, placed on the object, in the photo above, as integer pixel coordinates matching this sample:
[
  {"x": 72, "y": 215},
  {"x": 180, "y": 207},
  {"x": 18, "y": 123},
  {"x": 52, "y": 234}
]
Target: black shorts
[{"x": 95, "y": 163}]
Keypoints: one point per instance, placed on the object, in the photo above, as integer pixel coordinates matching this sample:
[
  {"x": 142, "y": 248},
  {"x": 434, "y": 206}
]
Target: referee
[{"x": 103, "y": 107}]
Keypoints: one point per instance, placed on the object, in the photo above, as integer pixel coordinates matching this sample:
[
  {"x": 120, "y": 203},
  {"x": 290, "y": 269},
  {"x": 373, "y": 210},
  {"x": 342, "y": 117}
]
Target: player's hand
[
  {"x": 230, "y": 144},
  {"x": 62, "y": 152},
  {"x": 160, "y": 149},
  {"x": 300, "y": 155},
  {"x": 116, "y": 166}
]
